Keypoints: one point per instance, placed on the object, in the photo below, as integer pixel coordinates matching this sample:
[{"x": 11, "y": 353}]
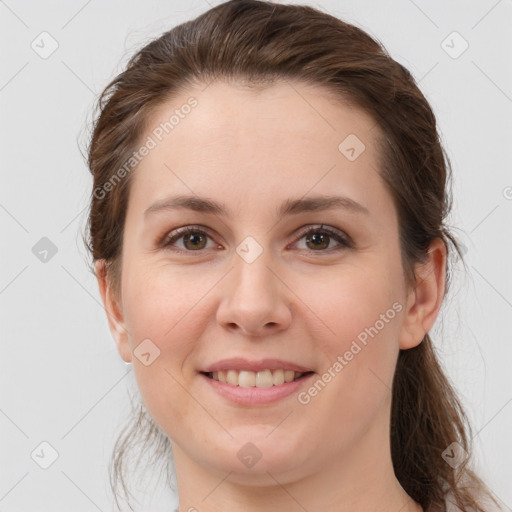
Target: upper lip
[{"x": 239, "y": 363}]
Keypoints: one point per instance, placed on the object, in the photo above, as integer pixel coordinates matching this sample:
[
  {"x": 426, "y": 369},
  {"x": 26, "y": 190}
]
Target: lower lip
[{"x": 254, "y": 395}]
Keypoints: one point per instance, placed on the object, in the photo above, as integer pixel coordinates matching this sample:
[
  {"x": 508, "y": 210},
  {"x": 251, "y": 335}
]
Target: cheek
[
  {"x": 165, "y": 306},
  {"x": 165, "y": 318},
  {"x": 364, "y": 311},
  {"x": 353, "y": 301},
  {"x": 358, "y": 361}
]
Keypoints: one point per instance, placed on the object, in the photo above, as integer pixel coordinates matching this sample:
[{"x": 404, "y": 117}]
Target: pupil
[
  {"x": 318, "y": 239},
  {"x": 194, "y": 239}
]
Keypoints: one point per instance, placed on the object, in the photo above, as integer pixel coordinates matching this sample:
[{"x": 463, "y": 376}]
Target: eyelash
[{"x": 344, "y": 241}]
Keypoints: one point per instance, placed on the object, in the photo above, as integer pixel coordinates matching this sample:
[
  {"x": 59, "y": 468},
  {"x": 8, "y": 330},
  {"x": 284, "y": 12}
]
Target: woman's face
[{"x": 259, "y": 285}]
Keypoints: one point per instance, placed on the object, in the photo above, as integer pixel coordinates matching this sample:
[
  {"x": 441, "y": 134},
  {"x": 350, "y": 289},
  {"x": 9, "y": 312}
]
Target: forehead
[{"x": 286, "y": 139}]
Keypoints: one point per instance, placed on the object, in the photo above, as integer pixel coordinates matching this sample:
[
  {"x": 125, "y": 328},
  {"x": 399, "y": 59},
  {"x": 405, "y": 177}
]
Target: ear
[
  {"x": 425, "y": 299},
  {"x": 114, "y": 312}
]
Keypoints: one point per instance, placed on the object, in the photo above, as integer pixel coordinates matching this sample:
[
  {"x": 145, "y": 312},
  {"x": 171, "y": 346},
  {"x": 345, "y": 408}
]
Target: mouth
[
  {"x": 255, "y": 382},
  {"x": 256, "y": 379}
]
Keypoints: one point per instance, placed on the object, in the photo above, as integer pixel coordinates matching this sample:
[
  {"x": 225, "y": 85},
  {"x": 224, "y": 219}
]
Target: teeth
[{"x": 262, "y": 379}]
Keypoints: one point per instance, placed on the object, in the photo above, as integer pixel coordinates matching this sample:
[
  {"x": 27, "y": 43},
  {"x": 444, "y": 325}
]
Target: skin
[{"x": 253, "y": 150}]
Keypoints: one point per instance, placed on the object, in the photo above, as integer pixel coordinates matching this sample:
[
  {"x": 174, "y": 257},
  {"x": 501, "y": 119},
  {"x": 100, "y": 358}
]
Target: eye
[
  {"x": 195, "y": 238},
  {"x": 320, "y": 238}
]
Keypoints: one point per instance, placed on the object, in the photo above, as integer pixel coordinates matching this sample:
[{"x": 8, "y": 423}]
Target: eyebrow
[{"x": 289, "y": 207}]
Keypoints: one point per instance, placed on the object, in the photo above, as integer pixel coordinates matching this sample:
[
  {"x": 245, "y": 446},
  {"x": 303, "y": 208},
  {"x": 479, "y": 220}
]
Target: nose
[{"x": 256, "y": 301}]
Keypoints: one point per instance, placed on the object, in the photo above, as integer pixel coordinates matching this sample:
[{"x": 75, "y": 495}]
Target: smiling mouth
[{"x": 260, "y": 379}]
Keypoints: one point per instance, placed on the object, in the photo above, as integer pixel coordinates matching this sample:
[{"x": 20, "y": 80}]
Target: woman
[{"x": 267, "y": 226}]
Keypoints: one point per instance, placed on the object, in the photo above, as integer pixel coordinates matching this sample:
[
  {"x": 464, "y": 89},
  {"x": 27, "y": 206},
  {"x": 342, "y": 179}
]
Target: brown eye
[
  {"x": 319, "y": 240},
  {"x": 194, "y": 239}
]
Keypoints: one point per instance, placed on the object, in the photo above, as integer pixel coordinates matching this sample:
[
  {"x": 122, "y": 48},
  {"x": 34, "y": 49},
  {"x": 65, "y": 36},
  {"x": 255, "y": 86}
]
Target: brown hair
[{"x": 258, "y": 42}]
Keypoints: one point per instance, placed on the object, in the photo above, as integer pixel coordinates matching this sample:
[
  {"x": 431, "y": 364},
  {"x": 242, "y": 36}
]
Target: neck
[{"x": 360, "y": 478}]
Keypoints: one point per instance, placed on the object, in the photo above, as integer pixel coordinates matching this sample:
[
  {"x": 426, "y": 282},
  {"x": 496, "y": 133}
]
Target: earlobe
[
  {"x": 113, "y": 311},
  {"x": 424, "y": 301}
]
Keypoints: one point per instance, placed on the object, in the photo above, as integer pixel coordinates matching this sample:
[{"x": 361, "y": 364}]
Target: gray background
[{"x": 61, "y": 377}]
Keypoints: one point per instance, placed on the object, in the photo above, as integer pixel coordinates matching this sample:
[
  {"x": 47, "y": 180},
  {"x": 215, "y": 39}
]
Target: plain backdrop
[{"x": 62, "y": 381}]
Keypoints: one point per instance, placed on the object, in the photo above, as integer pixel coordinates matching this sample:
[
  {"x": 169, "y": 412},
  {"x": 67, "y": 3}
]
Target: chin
[{"x": 250, "y": 458}]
